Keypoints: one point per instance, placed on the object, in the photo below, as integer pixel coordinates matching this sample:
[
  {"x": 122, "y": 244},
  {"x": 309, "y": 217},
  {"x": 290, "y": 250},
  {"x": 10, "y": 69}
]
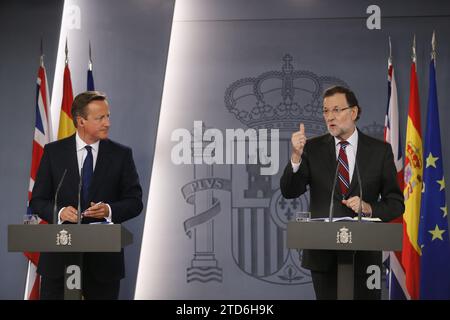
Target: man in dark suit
[
  {"x": 314, "y": 163},
  {"x": 110, "y": 193}
]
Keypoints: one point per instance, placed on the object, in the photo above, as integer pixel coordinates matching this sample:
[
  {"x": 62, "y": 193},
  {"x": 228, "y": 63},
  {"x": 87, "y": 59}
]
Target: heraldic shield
[
  {"x": 258, "y": 221},
  {"x": 277, "y": 101},
  {"x": 273, "y": 100}
]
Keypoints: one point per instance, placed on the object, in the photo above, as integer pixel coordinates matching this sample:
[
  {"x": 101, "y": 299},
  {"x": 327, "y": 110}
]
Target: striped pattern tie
[{"x": 343, "y": 171}]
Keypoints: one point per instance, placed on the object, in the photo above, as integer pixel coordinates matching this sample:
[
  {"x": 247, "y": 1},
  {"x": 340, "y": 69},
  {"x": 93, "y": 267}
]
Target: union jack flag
[
  {"x": 396, "y": 274},
  {"x": 42, "y": 135}
]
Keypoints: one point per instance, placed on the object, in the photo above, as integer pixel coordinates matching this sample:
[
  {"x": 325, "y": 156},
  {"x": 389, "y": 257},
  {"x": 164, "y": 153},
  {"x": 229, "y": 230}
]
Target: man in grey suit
[
  {"x": 314, "y": 163},
  {"x": 110, "y": 192}
]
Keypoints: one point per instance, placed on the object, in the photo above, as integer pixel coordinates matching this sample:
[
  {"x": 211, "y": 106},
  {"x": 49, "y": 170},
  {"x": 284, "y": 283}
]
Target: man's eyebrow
[{"x": 332, "y": 107}]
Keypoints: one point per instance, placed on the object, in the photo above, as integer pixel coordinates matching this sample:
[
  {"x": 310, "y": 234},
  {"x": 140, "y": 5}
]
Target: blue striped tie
[{"x": 87, "y": 171}]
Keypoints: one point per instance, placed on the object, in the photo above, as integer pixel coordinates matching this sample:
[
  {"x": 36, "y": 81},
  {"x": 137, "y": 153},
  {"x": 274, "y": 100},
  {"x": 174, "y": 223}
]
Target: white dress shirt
[
  {"x": 82, "y": 152},
  {"x": 81, "y": 156}
]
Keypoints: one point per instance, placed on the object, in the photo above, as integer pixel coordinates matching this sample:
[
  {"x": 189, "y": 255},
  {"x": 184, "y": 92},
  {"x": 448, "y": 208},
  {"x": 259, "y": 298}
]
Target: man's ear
[
  {"x": 356, "y": 113},
  {"x": 80, "y": 121}
]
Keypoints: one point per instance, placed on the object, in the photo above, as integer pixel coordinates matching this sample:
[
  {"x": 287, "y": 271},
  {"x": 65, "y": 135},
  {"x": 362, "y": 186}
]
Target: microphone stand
[
  {"x": 360, "y": 191},
  {"x": 330, "y": 217},
  {"x": 80, "y": 184},
  {"x": 55, "y": 203}
]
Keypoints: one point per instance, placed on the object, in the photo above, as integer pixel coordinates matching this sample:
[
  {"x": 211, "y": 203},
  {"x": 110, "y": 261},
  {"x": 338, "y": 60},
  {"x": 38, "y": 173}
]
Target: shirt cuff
[
  {"x": 59, "y": 215},
  {"x": 109, "y": 218},
  {"x": 295, "y": 166}
]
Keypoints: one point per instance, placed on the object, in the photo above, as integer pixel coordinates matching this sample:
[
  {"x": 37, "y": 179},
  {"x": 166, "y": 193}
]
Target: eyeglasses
[{"x": 334, "y": 111}]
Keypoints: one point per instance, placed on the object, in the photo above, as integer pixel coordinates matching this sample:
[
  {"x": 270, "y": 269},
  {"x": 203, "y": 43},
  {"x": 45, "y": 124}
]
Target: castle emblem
[{"x": 414, "y": 165}]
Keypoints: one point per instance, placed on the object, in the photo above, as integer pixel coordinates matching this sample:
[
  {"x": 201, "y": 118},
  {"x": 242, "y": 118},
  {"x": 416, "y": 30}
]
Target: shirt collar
[
  {"x": 81, "y": 144},
  {"x": 352, "y": 140}
]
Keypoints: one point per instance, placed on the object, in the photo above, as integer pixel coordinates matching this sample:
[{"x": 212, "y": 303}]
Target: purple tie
[
  {"x": 344, "y": 175},
  {"x": 87, "y": 172}
]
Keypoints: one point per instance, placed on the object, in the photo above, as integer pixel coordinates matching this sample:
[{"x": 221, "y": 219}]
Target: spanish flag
[
  {"x": 66, "y": 126},
  {"x": 412, "y": 188}
]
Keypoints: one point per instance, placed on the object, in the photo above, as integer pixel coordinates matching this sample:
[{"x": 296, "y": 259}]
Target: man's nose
[{"x": 329, "y": 117}]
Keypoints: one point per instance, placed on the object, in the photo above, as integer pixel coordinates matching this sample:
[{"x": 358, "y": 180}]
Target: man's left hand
[
  {"x": 353, "y": 203},
  {"x": 97, "y": 210}
]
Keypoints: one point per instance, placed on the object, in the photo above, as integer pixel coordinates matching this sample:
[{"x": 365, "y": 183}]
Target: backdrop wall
[{"x": 231, "y": 63}]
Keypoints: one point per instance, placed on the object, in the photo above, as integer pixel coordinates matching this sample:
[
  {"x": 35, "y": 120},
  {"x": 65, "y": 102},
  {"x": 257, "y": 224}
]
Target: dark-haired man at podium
[
  {"x": 314, "y": 163},
  {"x": 110, "y": 192}
]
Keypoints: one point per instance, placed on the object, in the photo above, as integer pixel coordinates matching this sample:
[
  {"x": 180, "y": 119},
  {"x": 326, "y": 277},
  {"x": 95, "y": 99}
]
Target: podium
[
  {"x": 75, "y": 238},
  {"x": 345, "y": 237}
]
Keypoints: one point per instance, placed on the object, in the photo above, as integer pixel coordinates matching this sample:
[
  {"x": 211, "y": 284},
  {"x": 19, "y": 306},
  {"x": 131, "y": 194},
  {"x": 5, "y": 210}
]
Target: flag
[
  {"x": 42, "y": 135},
  {"x": 412, "y": 188},
  {"x": 391, "y": 124},
  {"x": 396, "y": 280},
  {"x": 433, "y": 225},
  {"x": 66, "y": 126}
]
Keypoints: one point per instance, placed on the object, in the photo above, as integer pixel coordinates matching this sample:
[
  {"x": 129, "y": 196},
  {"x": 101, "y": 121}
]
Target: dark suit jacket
[
  {"x": 115, "y": 182},
  {"x": 317, "y": 169}
]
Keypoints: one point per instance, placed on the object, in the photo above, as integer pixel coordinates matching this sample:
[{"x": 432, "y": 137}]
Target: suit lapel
[
  {"x": 71, "y": 162},
  {"x": 361, "y": 159},
  {"x": 101, "y": 167},
  {"x": 331, "y": 161}
]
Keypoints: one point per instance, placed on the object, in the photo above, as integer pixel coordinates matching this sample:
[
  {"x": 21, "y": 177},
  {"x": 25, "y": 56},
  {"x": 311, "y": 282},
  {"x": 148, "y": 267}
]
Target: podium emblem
[
  {"x": 63, "y": 238},
  {"x": 344, "y": 236}
]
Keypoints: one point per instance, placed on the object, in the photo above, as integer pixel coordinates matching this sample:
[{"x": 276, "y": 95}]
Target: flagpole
[
  {"x": 90, "y": 78},
  {"x": 66, "y": 60},
  {"x": 433, "y": 48},
  {"x": 90, "y": 57},
  {"x": 390, "y": 53},
  {"x": 41, "y": 63}
]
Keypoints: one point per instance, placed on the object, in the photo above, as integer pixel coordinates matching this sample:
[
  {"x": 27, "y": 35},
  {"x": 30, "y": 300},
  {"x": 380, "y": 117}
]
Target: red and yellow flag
[
  {"x": 66, "y": 127},
  {"x": 412, "y": 189}
]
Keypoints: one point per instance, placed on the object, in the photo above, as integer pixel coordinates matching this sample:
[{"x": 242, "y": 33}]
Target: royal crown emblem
[
  {"x": 280, "y": 99},
  {"x": 63, "y": 238},
  {"x": 344, "y": 236}
]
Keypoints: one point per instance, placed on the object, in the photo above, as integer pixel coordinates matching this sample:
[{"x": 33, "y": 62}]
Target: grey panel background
[
  {"x": 219, "y": 42},
  {"x": 329, "y": 37},
  {"x": 129, "y": 42},
  {"x": 22, "y": 23},
  {"x": 129, "y": 46}
]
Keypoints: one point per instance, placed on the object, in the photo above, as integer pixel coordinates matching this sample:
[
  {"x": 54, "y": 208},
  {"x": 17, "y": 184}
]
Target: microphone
[
  {"x": 55, "y": 204},
  {"x": 330, "y": 217},
  {"x": 80, "y": 184},
  {"x": 360, "y": 191}
]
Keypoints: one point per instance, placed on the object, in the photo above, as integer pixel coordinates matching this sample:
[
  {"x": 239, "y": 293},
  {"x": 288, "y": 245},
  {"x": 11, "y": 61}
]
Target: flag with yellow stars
[{"x": 433, "y": 224}]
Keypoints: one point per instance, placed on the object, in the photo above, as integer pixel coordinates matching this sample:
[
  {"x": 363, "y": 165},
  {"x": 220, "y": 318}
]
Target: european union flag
[{"x": 433, "y": 225}]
